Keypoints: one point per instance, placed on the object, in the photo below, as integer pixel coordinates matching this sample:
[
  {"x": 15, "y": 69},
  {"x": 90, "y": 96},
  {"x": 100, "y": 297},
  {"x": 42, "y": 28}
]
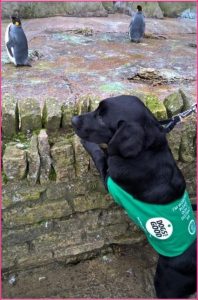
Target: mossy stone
[
  {"x": 174, "y": 104},
  {"x": 187, "y": 152},
  {"x": 30, "y": 114},
  {"x": 156, "y": 107},
  {"x": 25, "y": 215},
  {"x": 52, "y": 114},
  {"x": 45, "y": 159},
  {"x": 14, "y": 162},
  {"x": 10, "y": 118},
  {"x": 33, "y": 161},
  {"x": 63, "y": 161}
]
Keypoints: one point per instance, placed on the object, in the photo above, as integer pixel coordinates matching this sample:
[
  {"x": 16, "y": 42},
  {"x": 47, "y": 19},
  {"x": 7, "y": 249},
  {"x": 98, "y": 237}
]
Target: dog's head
[{"x": 124, "y": 123}]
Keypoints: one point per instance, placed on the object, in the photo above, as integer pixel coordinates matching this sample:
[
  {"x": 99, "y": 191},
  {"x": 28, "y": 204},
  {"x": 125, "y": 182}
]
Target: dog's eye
[{"x": 99, "y": 118}]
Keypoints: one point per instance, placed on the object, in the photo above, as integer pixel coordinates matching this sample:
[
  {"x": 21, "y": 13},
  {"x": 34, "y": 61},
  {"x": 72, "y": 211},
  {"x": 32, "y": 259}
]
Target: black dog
[{"x": 139, "y": 163}]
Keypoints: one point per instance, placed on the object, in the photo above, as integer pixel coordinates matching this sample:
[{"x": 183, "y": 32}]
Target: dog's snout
[{"x": 75, "y": 121}]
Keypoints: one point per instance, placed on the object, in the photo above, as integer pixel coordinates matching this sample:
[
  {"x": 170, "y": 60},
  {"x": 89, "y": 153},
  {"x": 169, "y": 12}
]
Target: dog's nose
[{"x": 75, "y": 121}]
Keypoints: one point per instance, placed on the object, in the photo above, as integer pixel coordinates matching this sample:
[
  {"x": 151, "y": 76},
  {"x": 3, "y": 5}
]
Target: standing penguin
[
  {"x": 137, "y": 26},
  {"x": 16, "y": 43}
]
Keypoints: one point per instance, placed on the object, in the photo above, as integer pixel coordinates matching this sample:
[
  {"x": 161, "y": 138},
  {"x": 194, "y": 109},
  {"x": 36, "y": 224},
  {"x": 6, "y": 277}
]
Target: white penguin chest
[{"x": 12, "y": 58}]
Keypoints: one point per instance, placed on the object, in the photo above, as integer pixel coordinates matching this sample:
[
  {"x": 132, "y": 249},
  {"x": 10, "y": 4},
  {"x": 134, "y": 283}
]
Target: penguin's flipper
[{"x": 9, "y": 46}]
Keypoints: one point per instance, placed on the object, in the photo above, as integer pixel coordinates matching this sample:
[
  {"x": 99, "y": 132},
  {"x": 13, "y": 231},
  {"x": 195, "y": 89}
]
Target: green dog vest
[{"x": 169, "y": 228}]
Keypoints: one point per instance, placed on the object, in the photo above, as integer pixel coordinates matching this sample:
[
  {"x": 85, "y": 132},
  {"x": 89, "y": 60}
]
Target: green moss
[
  {"x": 174, "y": 104},
  {"x": 52, "y": 175},
  {"x": 112, "y": 87},
  {"x": 20, "y": 137},
  {"x": 4, "y": 178},
  {"x": 36, "y": 131},
  {"x": 156, "y": 107}
]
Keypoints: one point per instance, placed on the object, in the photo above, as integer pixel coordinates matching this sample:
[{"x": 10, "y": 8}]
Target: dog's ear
[
  {"x": 128, "y": 140},
  {"x": 155, "y": 137}
]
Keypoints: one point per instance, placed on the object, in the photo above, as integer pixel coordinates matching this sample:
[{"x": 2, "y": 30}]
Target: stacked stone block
[{"x": 55, "y": 207}]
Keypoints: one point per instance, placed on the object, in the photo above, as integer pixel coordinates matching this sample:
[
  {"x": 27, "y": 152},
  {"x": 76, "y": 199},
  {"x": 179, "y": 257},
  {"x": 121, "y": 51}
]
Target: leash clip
[{"x": 170, "y": 123}]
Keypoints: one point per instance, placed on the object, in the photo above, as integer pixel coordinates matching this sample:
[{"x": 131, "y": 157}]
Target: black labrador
[{"x": 139, "y": 160}]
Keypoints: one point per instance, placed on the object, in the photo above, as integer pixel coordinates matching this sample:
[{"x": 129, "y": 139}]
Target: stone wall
[
  {"x": 49, "y": 9},
  {"x": 94, "y": 9},
  {"x": 174, "y": 9},
  {"x": 55, "y": 207}
]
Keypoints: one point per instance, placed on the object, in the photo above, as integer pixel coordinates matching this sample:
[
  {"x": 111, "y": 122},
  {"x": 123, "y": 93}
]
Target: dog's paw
[{"x": 89, "y": 146}]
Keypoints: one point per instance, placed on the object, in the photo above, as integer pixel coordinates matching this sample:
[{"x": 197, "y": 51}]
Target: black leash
[{"x": 169, "y": 124}]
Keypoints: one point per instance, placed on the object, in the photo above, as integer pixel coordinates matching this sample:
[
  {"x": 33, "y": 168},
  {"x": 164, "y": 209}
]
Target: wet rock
[
  {"x": 156, "y": 107},
  {"x": 45, "y": 159},
  {"x": 30, "y": 114},
  {"x": 187, "y": 151},
  {"x": 63, "y": 160},
  {"x": 14, "y": 162},
  {"x": 52, "y": 114},
  {"x": 174, "y": 104},
  {"x": 33, "y": 161},
  {"x": 10, "y": 118}
]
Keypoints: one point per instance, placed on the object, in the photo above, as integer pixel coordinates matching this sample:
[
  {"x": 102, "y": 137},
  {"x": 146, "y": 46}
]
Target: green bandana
[{"x": 169, "y": 228}]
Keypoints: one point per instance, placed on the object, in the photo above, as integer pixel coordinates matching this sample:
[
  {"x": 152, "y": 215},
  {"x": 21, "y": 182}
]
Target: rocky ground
[
  {"x": 78, "y": 56},
  {"x": 72, "y": 57},
  {"x": 126, "y": 273}
]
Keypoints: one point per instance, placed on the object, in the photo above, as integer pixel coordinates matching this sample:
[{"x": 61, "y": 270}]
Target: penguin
[
  {"x": 16, "y": 43},
  {"x": 137, "y": 26}
]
